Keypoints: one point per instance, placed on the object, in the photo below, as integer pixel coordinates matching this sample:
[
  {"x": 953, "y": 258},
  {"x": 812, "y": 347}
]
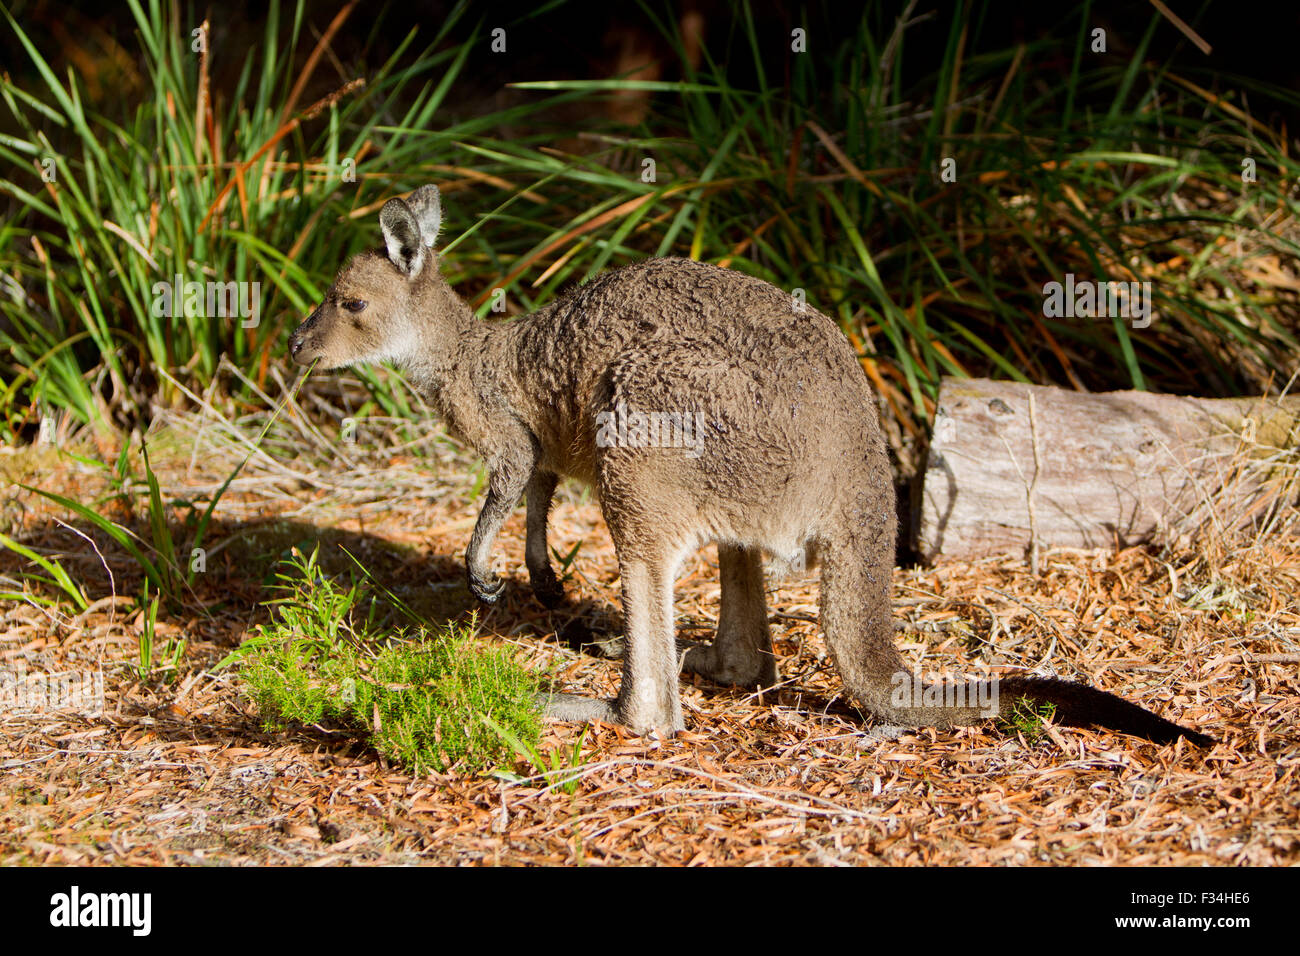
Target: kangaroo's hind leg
[
  {"x": 648, "y": 697},
  {"x": 546, "y": 587},
  {"x": 741, "y": 653},
  {"x": 642, "y": 502}
]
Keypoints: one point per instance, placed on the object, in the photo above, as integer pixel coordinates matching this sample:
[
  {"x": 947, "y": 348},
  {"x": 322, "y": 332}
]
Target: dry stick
[
  {"x": 845, "y": 163},
  {"x": 304, "y": 424},
  {"x": 1029, "y": 484},
  {"x": 201, "y": 107},
  {"x": 296, "y": 419},
  {"x": 891, "y": 48},
  {"x": 112, "y": 583},
  {"x": 203, "y": 412},
  {"x": 255, "y": 450},
  {"x": 309, "y": 68},
  {"x": 1033, "y": 485},
  {"x": 1288, "y": 458},
  {"x": 995, "y": 109},
  {"x": 1183, "y": 27},
  {"x": 1241, "y": 465},
  {"x": 1203, "y": 498},
  {"x": 1051, "y": 648},
  {"x": 831, "y": 809}
]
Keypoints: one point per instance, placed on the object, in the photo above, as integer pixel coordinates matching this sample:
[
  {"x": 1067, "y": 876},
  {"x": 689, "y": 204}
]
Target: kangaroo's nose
[{"x": 299, "y": 336}]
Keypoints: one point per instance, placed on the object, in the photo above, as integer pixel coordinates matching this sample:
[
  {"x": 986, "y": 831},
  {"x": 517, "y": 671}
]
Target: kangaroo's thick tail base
[{"x": 1078, "y": 705}]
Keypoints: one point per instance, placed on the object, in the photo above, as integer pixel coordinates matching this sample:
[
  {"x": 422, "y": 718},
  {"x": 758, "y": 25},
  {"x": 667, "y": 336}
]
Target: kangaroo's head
[{"x": 389, "y": 305}]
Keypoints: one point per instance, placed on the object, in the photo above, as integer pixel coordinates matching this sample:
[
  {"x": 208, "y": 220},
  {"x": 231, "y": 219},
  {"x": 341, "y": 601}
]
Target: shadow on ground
[
  {"x": 242, "y": 567},
  {"x": 242, "y": 563}
]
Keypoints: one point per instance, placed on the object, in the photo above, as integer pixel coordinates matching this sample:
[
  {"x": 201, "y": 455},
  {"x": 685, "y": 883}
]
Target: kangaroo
[{"x": 788, "y": 460}]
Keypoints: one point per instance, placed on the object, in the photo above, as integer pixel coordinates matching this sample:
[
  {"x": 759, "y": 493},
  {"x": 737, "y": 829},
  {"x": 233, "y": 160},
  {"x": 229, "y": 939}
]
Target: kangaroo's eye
[{"x": 354, "y": 305}]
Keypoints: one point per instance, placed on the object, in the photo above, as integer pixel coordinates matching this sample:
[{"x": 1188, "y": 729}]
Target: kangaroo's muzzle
[{"x": 298, "y": 349}]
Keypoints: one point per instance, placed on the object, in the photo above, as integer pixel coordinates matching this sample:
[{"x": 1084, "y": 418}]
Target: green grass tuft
[
  {"x": 427, "y": 701},
  {"x": 1027, "y": 718}
]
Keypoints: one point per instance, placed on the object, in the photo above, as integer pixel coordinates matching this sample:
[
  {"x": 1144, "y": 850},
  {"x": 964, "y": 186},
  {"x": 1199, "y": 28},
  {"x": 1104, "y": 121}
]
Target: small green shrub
[
  {"x": 427, "y": 701},
  {"x": 1027, "y": 718}
]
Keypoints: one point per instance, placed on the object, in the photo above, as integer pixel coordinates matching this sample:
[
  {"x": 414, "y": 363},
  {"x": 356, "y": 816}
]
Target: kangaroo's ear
[
  {"x": 426, "y": 205},
  {"x": 402, "y": 237}
]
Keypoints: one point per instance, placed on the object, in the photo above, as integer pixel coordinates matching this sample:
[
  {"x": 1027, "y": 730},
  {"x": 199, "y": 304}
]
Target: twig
[{"x": 1033, "y": 485}]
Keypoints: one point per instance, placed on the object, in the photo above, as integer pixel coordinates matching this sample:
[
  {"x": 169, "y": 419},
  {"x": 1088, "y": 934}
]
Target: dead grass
[{"x": 181, "y": 772}]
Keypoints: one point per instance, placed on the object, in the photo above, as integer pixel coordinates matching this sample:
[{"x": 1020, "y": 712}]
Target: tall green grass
[
  {"x": 260, "y": 186},
  {"x": 831, "y": 183},
  {"x": 818, "y": 171}
]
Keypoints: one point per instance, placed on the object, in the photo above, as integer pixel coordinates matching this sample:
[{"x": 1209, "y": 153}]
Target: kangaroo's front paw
[{"x": 486, "y": 587}]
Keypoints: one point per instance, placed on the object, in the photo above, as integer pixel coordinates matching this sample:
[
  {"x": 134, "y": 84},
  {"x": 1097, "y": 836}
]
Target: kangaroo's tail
[
  {"x": 859, "y": 631},
  {"x": 1078, "y": 705}
]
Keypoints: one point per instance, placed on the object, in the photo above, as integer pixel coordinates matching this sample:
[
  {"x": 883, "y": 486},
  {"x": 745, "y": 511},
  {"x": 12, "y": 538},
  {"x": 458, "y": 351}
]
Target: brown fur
[{"x": 792, "y": 463}]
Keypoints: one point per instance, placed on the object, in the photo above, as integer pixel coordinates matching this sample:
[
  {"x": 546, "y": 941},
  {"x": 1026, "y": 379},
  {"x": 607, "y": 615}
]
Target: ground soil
[{"x": 177, "y": 768}]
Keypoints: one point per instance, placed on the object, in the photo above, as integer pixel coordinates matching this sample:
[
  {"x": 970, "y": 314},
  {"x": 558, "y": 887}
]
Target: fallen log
[{"x": 1011, "y": 464}]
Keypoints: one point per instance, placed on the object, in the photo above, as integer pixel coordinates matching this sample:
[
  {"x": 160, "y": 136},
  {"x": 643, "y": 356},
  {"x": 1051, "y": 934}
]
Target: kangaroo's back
[{"x": 775, "y": 379}]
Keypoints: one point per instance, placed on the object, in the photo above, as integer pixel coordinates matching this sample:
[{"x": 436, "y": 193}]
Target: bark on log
[{"x": 1114, "y": 468}]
